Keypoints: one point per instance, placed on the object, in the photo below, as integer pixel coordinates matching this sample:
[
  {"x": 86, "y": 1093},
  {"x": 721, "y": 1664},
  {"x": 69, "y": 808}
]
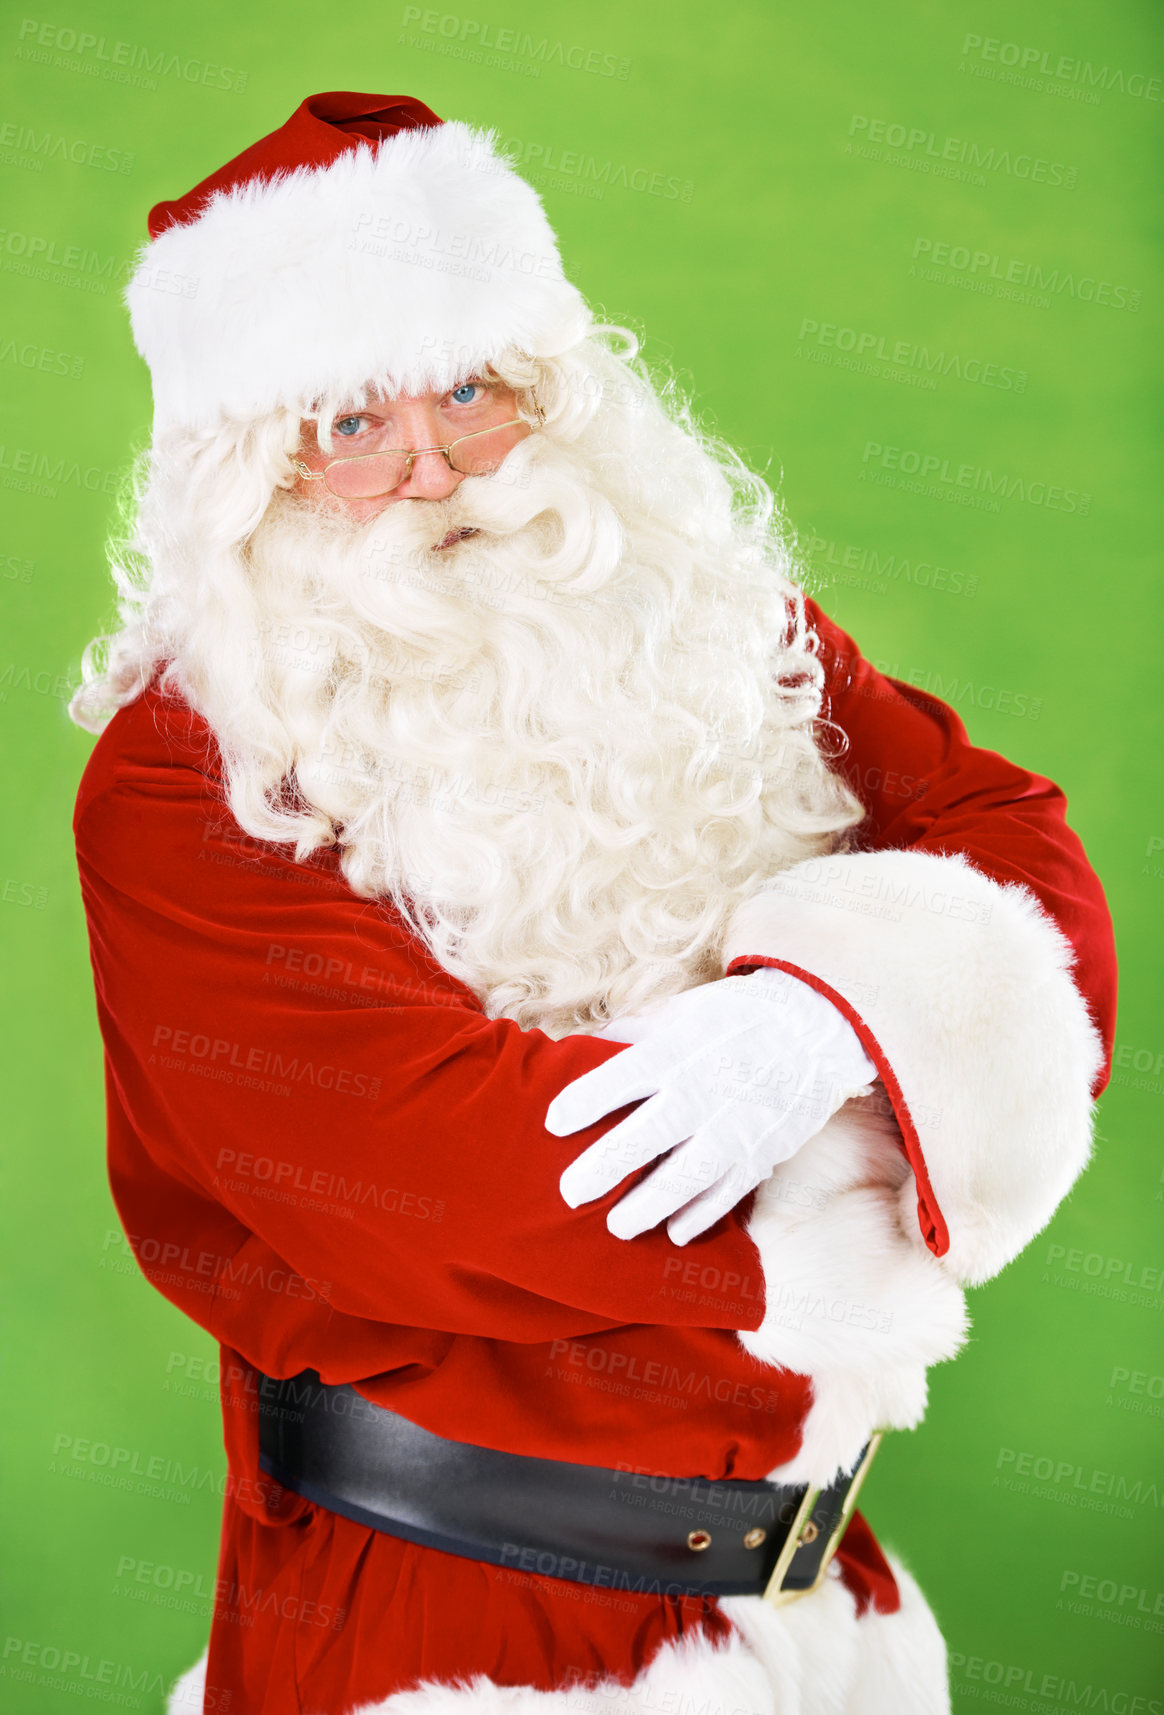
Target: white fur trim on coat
[
  {"x": 188, "y": 1694},
  {"x": 850, "y": 1300},
  {"x": 961, "y": 990},
  {"x": 813, "y": 1657},
  {"x": 411, "y": 262}
]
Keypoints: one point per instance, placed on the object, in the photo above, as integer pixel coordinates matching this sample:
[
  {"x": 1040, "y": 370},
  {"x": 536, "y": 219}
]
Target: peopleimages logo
[
  {"x": 121, "y": 62},
  {"x": 983, "y": 265},
  {"x": 37, "y": 147},
  {"x": 932, "y": 468},
  {"x": 41, "y": 258},
  {"x": 26, "y": 1659},
  {"x": 928, "y": 151},
  {"x": 186, "y": 1050},
  {"x": 576, "y": 163},
  {"x": 1110, "y": 1593},
  {"x": 908, "y": 354},
  {"x": 1028, "y": 64},
  {"x": 1066, "y": 1694},
  {"x": 870, "y": 565},
  {"x": 476, "y": 37}
]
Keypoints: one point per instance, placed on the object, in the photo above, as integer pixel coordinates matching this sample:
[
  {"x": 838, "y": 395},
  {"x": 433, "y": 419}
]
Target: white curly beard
[
  {"x": 564, "y": 748},
  {"x": 558, "y": 744}
]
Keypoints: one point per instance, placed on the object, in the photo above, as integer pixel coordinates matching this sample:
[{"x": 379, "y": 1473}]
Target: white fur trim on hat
[{"x": 410, "y": 263}]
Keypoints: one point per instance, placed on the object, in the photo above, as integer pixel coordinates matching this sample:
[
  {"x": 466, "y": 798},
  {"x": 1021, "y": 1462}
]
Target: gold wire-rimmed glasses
[{"x": 364, "y": 476}]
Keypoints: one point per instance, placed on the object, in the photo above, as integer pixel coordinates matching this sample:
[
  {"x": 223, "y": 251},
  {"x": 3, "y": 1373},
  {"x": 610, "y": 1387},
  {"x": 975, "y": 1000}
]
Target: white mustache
[{"x": 512, "y": 541}]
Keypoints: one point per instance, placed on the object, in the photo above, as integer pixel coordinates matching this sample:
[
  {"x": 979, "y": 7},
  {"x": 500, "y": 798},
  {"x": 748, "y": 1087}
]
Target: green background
[{"x": 1042, "y": 629}]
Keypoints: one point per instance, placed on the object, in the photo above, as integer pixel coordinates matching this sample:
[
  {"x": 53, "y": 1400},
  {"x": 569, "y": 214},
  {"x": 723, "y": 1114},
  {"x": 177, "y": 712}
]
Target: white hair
[{"x": 563, "y": 749}]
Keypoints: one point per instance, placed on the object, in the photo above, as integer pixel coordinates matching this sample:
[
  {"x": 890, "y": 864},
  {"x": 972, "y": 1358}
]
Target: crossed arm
[{"x": 946, "y": 943}]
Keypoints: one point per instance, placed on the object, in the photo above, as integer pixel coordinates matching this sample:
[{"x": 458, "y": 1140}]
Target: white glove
[{"x": 742, "y": 1072}]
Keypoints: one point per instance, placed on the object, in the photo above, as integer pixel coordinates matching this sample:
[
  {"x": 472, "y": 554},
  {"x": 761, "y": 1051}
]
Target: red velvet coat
[{"x": 326, "y": 1155}]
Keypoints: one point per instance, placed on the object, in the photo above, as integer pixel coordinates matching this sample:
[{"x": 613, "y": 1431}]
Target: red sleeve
[
  {"x": 925, "y": 787},
  {"x": 293, "y": 1076},
  {"x": 964, "y": 934}
]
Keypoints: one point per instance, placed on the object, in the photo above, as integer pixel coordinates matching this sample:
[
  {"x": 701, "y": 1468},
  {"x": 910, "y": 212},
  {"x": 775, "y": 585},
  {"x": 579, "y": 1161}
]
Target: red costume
[{"x": 327, "y": 1156}]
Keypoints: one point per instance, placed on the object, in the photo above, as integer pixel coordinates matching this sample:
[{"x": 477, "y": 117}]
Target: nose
[{"x": 431, "y": 477}]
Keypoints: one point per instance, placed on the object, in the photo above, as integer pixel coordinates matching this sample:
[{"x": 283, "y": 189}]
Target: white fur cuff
[{"x": 961, "y": 991}]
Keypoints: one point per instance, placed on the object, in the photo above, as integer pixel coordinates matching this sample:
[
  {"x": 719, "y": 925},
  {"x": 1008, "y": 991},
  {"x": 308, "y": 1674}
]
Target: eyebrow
[{"x": 380, "y": 410}]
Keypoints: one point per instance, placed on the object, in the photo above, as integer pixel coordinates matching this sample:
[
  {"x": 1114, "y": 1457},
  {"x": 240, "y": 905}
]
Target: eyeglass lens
[{"x": 379, "y": 473}]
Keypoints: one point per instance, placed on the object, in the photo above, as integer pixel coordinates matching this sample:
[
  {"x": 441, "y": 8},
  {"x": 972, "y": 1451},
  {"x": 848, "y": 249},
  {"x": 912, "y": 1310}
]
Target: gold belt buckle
[{"x": 804, "y": 1531}]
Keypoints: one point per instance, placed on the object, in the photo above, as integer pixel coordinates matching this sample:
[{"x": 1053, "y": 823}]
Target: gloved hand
[{"x": 741, "y": 1072}]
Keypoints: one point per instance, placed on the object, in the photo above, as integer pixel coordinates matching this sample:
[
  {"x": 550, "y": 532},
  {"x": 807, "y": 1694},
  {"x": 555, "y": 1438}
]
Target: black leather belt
[{"x": 616, "y": 1529}]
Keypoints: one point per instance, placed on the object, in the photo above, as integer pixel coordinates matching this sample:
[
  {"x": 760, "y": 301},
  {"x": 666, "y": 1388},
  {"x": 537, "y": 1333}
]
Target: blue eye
[
  {"x": 459, "y": 393},
  {"x": 347, "y": 426}
]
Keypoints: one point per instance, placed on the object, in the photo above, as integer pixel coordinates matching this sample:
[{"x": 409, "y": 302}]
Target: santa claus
[{"x": 573, "y": 1028}]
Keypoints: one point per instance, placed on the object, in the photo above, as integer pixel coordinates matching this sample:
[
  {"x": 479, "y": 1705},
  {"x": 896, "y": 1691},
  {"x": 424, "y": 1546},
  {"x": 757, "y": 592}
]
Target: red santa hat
[{"x": 365, "y": 239}]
